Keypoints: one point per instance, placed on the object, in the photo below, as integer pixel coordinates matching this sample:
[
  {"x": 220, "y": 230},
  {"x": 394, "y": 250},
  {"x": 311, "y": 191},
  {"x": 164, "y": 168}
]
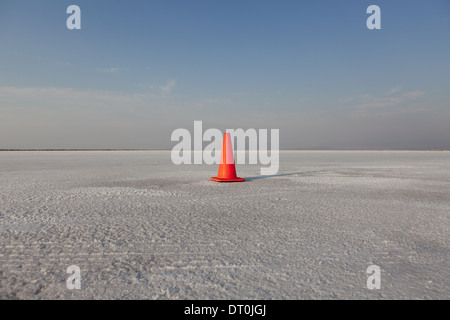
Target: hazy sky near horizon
[{"x": 137, "y": 70}]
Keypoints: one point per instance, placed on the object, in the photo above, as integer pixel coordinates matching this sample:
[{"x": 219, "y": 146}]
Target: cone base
[{"x": 227, "y": 180}]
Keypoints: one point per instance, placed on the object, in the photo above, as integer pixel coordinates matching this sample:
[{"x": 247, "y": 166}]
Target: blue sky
[{"x": 137, "y": 70}]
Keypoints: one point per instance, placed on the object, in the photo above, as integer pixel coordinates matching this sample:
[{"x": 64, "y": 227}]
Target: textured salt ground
[{"x": 140, "y": 227}]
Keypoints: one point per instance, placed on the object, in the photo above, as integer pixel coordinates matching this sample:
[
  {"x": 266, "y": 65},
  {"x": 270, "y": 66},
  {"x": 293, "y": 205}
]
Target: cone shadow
[{"x": 284, "y": 175}]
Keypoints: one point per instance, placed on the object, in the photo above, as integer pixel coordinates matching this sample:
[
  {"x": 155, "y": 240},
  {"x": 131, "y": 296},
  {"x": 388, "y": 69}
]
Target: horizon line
[{"x": 288, "y": 149}]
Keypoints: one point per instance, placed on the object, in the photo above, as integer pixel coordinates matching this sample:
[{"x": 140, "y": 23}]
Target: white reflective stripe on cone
[{"x": 228, "y": 156}]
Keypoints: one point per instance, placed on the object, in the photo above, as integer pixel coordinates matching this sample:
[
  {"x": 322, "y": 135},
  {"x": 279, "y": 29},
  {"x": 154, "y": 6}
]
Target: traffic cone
[{"x": 227, "y": 169}]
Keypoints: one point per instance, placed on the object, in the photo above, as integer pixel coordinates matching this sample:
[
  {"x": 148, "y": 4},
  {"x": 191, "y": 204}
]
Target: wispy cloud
[
  {"x": 164, "y": 89},
  {"x": 108, "y": 70},
  {"x": 394, "y": 102},
  {"x": 167, "y": 89},
  {"x": 381, "y": 102},
  {"x": 414, "y": 94},
  {"x": 51, "y": 117},
  {"x": 69, "y": 100},
  {"x": 394, "y": 90}
]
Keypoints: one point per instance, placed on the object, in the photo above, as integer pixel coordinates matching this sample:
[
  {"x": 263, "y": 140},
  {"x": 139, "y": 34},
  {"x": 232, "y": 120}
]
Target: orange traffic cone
[{"x": 227, "y": 169}]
